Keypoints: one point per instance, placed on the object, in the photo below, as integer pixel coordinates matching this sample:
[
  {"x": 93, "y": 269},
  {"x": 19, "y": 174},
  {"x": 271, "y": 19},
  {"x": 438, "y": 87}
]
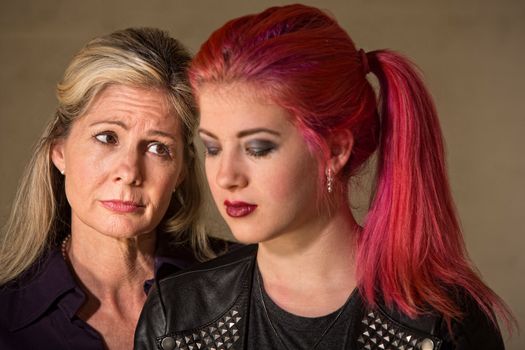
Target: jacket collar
[
  {"x": 50, "y": 282},
  {"x": 207, "y": 291}
]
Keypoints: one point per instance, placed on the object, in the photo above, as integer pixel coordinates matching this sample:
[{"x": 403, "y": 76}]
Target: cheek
[
  {"x": 164, "y": 181},
  {"x": 210, "y": 169},
  {"x": 211, "y": 175},
  {"x": 84, "y": 171},
  {"x": 163, "y": 201},
  {"x": 280, "y": 184},
  {"x": 294, "y": 182}
]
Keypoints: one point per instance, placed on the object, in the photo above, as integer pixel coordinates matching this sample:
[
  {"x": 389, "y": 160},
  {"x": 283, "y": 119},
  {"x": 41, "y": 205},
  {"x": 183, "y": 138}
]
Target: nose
[
  {"x": 129, "y": 168},
  {"x": 230, "y": 173}
]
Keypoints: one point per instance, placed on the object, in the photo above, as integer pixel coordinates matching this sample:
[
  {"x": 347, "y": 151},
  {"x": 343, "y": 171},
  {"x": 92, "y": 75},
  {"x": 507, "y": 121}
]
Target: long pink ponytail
[{"x": 411, "y": 248}]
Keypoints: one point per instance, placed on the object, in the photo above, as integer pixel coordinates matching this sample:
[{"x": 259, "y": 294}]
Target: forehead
[
  {"x": 231, "y": 92},
  {"x": 131, "y": 104},
  {"x": 239, "y": 105}
]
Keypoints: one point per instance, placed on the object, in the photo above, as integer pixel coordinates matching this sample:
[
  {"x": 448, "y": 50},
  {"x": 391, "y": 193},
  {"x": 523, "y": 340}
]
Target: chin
[
  {"x": 123, "y": 235},
  {"x": 245, "y": 236},
  {"x": 251, "y": 236},
  {"x": 124, "y": 231},
  {"x": 245, "y": 239}
]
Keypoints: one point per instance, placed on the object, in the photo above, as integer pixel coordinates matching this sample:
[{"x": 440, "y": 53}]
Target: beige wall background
[{"x": 471, "y": 52}]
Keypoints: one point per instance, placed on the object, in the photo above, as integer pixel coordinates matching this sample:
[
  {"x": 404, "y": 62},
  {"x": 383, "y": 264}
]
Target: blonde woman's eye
[
  {"x": 159, "y": 149},
  {"x": 106, "y": 137}
]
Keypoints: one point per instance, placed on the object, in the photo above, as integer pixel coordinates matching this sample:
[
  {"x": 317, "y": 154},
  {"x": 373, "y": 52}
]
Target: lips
[
  {"x": 122, "y": 206},
  {"x": 239, "y": 209}
]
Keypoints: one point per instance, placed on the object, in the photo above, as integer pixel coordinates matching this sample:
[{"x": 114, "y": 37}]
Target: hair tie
[{"x": 364, "y": 61}]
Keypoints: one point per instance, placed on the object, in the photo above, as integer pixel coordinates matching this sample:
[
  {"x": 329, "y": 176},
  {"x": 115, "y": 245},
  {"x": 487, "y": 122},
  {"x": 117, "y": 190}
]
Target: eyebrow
[
  {"x": 114, "y": 122},
  {"x": 125, "y": 127},
  {"x": 162, "y": 133},
  {"x": 243, "y": 133}
]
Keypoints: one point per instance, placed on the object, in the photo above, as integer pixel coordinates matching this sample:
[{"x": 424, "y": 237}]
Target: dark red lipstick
[
  {"x": 239, "y": 209},
  {"x": 122, "y": 206}
]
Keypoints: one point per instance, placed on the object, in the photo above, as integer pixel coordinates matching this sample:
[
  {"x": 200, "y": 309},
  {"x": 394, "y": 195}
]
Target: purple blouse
[{"x": 38, "y": 311}]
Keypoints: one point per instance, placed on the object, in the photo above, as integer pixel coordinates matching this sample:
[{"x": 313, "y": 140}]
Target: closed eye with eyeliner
[
  {"x": 256, "y": 142},
  {"x": 256, "y": 148},
  {"x": 259, "y": 148}
]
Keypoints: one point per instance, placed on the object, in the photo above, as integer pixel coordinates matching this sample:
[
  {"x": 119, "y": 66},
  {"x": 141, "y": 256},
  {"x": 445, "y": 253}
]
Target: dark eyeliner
[
  {"x": 260, "y": 148},
  {"x": 210, "y": 150}
]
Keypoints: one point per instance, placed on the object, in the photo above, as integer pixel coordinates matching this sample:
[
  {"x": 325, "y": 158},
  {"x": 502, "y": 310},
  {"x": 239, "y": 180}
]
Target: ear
[
  {"x": 58, "y": 156},
  {"x": 340, "y": 145}
]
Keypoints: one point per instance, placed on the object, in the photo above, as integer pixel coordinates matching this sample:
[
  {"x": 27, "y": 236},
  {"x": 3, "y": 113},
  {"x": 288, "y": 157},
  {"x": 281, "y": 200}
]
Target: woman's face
[
  {"x": 122, "y": 160},
  {"x": 259, "y": 168}
]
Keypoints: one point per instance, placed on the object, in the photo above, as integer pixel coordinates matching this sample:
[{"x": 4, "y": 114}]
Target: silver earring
[
  {"x": 329, "y": 180},
  {"x": 62, "y": 172}
]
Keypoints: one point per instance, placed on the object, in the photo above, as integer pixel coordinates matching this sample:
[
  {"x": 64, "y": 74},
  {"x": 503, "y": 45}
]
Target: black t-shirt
[{"x": 291, "y": 332}]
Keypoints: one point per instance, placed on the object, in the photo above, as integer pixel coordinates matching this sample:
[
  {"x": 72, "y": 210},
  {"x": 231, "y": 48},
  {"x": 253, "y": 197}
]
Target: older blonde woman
[{"x": 112, "y": 183}]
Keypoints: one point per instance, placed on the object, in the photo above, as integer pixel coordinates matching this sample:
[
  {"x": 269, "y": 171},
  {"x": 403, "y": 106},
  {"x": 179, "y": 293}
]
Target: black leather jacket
[{"x": 207, "y": 307}]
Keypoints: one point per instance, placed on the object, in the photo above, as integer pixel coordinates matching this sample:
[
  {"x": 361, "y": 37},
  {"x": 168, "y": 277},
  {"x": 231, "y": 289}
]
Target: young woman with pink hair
[{"x": 287, "y": 118}]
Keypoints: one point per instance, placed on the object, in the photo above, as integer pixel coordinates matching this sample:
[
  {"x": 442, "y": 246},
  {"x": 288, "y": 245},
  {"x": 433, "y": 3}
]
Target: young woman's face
[
  {"x": 122, "y": 160},
  {"x": 259, "y": 168}
]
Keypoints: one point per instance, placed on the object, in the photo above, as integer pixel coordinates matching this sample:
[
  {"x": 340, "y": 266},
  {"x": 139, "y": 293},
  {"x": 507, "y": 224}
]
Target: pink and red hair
[{"x": 411, "y": 251}]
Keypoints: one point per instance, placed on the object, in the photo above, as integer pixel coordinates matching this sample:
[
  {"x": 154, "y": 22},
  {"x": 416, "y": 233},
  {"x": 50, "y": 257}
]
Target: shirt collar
[
  {"x": 37, "y": 289},
  {"x": 50, "y": 282}
]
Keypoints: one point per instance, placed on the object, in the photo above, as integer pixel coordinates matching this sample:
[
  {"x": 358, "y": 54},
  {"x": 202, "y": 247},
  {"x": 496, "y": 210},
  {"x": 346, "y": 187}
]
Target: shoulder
[
  {"x": 235, "y": 259},
  {"x": 29, "y": 298},
  {"x": 215, "y": 275},
  {"x": 174, "y": 254},
  {"x": 18, "y": 292},
  {"x": 189, "y": 299},
  {"x": 219, "y": 279},
  {"x": 430, "y": 331},
  {"x": 474, "y": 330},
  {"x": 380, "y": 326}
]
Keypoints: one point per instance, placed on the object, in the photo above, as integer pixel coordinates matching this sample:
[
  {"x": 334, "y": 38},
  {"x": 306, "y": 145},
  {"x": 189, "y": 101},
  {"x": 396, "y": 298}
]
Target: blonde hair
[{"x": 143, "y": 57}]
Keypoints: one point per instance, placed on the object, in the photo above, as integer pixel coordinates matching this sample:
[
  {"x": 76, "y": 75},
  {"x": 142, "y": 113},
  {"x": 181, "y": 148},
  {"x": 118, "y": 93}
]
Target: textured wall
[{"x": 468, "y": 50}]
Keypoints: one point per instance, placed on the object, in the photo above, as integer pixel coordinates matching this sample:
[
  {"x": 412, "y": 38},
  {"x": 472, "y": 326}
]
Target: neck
[
  {"x": 317, "y": 261},
  {"x": 112, "y": 272},
  {"x": 109, "y": 267}
]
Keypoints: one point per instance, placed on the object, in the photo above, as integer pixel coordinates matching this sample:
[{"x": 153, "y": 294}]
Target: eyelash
[
  {"x": 106, "y": 133},
  {"x": 166, "y": 149},
  {"x": 211, "y": 151},
  {"x": 259, "y": 153},
  {"x": 214, "y": 151}
]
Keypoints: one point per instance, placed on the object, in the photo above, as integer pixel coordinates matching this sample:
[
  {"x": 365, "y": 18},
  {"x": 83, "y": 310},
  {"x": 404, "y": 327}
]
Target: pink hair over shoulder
[{"x": 411, "y": 251}]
